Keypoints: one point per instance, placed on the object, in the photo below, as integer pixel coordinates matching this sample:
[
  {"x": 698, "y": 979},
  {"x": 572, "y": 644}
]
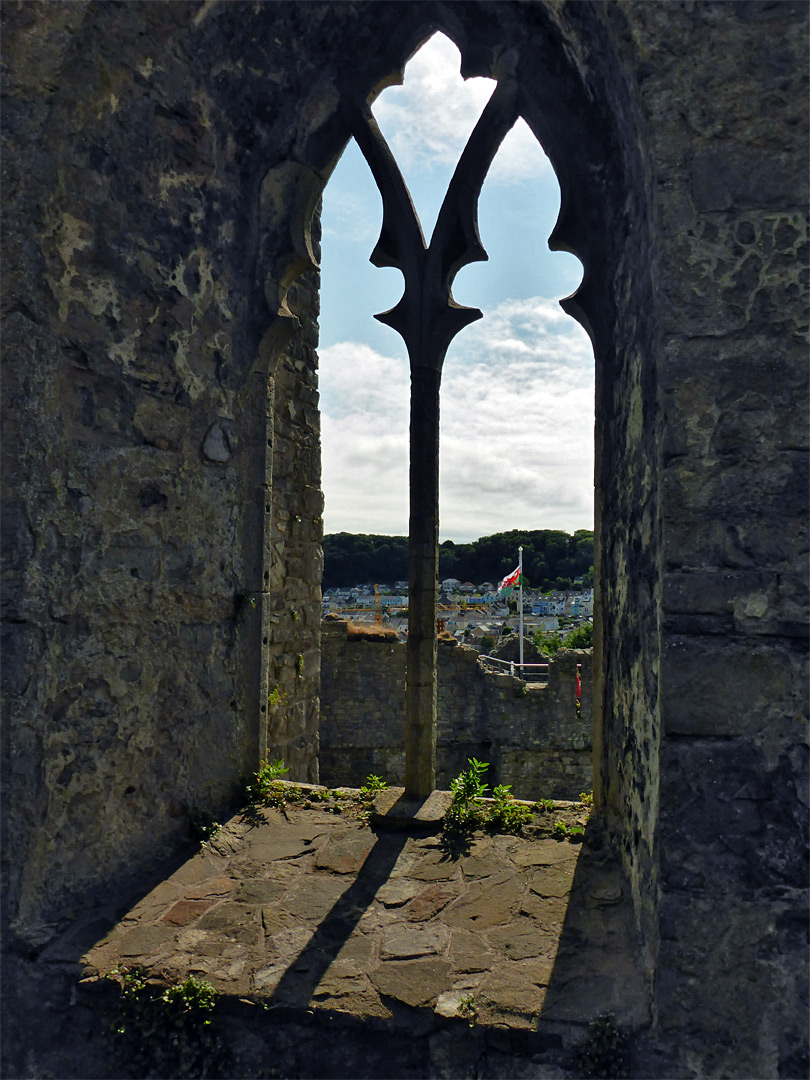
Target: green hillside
[{"x": 552, "y": 559}]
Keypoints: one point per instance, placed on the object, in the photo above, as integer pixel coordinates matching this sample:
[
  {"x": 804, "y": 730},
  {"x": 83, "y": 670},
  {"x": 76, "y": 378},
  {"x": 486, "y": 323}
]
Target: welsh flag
[{"x": 510, "y": 581}]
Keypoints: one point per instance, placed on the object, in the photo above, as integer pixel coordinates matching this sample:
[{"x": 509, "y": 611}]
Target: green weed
[
  {"x": 571, "y": 832},
  {"x": 270, "y": 771},
  {"x": 468, "y": 790},
  {"x": 468, "y": 1009},
  {"x": 508, "y": 815},
  {"x": 605, "y": 1051},
  {"x": 373, "y": 786},
  {"x": 265, "y": 788},
  {"x": 202, "y": 823},
  {"x": 166, "y": 1031}
]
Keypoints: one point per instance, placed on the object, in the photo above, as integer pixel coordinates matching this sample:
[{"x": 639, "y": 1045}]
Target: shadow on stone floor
[
  {"x": 319, "y": 932},
  {"x": 300, "y": 980}
]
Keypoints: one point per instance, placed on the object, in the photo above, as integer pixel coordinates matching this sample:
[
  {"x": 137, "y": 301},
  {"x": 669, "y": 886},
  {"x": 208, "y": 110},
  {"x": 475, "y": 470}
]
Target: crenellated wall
[{"x": 532, "y": 735}]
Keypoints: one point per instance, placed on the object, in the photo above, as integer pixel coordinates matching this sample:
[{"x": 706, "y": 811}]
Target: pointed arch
[{"x": 584, "y": 116}]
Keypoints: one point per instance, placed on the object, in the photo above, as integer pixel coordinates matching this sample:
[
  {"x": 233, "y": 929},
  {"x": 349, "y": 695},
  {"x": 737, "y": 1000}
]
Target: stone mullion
[{"x": 423, "y": 568}]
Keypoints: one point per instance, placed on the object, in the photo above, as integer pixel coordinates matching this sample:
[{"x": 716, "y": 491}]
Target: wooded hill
[{"x": 552, "y": 559}]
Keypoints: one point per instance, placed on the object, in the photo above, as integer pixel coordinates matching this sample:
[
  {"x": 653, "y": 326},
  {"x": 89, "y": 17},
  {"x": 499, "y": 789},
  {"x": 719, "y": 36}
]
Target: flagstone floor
[{"x": 303, "y": 909}]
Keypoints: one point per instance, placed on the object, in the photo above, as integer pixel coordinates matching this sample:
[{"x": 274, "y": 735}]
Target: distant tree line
[{"x": 552, "y": 559}]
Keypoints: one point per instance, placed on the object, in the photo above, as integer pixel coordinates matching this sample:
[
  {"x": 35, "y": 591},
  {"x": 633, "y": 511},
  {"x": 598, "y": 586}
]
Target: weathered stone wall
[
  {"x": 292, "y": 601},
  {"x": 724, "y": 95},
  {"x": 532, "y": 735},
  {"x": 161, "y": 171},
  {"x": 161, "y": 514}
]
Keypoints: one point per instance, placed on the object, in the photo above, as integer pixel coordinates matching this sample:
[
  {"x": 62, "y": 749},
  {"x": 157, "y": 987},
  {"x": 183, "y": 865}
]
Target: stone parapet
[{"x": 532, "y": 734}]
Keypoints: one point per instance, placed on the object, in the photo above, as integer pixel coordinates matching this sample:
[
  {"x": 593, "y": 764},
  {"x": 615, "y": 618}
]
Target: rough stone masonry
[
  {"x": 533, "y": 736},
  {"x": 162, "y": 169}
]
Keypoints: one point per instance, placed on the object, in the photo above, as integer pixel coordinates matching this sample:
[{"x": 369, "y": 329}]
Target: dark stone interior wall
[
  {"x": 724, "y": 91},
  {"x": 292, "y": 607},
  {"x": 606, "y": 218},
  {"x": 154, "y": 531}
]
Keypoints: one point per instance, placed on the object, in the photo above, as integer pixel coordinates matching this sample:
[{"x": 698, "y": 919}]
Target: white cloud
[
  {"x": 532, "y": 336},
  {"x": 350, "y": 218},
  {"x": 516, "y": 428},
  {"x": 517, "y": 395},
  {"x": 364, "y": 428},
  {"x": 428, "y": 119}
]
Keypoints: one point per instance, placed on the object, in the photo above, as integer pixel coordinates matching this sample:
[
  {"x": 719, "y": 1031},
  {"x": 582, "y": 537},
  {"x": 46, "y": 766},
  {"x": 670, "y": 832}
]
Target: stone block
[
  {"x": 692, "y": 541},
  {"x": 393, "y": 810},
  {"x": 745, "y": 177},
  {"x": 715, "y": 591},
  {"x": 712, "y": 686},
  {"x": 733, "y": 816},
  {"x": 22, "y": 646},
  {"x": 409, "y": 943},
  {"x": 491, "y": 902},
  {"x": 414, "y": 982},
  {"x": 715, "y": 965}
]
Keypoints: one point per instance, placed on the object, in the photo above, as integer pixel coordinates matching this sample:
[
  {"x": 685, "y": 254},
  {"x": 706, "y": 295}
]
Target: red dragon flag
[{"x": 510, "y": 581}]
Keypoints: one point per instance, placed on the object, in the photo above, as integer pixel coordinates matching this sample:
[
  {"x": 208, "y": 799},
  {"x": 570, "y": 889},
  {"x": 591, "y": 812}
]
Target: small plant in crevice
[
  {"x": 270, "y": 771},
  {"x": 568, "y": 832},
  {"x": 277, "y": 696},
  {"x": 264, "y": 788},
  {"x": 546, "y": 805},
  {"x": 468, "y": 1009},
  {"x": 502, "y": 795},
  {"x": 468, "y": 790},
  {"x": 202, "y": 823},
  {"x": 586, "y": 798},
  {"x": 244, "y": 603},
  {"x": 605, "y": 1051},
  {"x": 506, "y": 814},
  {"x": 166, "y": 1030},
  {"x": 299, "y": 666},
  {"x": 373, "y": 786}
]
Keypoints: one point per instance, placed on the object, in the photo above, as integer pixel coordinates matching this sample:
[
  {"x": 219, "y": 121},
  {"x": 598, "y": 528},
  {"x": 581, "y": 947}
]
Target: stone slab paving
[{"x": 308, "y": 910}]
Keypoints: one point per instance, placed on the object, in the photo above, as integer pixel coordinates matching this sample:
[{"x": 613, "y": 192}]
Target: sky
[{"x": 517, "y": 397}]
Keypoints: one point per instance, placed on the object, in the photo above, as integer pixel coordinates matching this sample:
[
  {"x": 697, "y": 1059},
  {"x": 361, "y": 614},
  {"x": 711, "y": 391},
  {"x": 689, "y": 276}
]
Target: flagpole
[{"x": 520, "y": 604}]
